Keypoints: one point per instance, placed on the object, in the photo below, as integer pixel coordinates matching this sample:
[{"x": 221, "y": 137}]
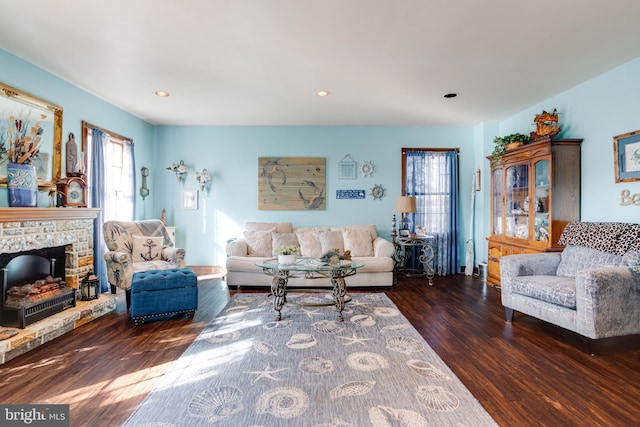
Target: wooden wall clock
[{"x": 73, "y": 190}]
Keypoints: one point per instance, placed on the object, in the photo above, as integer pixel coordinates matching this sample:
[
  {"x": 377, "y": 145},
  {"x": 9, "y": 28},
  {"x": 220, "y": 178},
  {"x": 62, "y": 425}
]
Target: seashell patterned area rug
[{"x": 373, "y": 369}]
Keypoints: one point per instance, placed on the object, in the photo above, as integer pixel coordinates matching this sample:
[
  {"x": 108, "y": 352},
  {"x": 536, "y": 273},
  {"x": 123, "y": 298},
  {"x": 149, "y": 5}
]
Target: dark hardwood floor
[{"x": 527, "y": 373}]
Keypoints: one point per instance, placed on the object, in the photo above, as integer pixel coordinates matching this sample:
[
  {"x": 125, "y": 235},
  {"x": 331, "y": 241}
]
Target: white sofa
[{"x": 261, "y": 239}]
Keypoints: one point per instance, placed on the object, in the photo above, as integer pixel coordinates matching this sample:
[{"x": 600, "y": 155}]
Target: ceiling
[{"x": 384, "y": 62}]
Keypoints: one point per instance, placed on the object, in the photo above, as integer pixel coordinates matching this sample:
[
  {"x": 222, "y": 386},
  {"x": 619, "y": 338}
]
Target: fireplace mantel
[{"x": 43, "y": 214}]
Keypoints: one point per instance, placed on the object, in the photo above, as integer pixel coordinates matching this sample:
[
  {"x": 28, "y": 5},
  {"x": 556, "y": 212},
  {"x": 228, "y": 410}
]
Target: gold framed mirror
[{"x": 26, "y": 108}]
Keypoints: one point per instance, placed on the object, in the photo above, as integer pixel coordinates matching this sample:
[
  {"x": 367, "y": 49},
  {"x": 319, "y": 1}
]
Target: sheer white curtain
[
  {"x": 119, "y": 190},
  {"x": 432, "y": 177}
]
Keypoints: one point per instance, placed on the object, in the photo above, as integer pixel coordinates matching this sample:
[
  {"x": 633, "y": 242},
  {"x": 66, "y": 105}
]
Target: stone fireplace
[
  {"x": 28, "y": 229},
  {"x": 25, "y": 229}
]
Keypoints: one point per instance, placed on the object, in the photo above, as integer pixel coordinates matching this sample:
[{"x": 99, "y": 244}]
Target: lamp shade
[{"x": 406, "y": 204}]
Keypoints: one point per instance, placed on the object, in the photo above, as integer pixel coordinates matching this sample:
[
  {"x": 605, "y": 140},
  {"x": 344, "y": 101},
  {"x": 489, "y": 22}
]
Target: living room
[{"x": 596, "y": 107}]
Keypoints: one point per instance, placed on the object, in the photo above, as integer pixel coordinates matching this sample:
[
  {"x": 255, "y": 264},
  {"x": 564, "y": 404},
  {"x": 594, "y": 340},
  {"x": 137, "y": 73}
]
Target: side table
[{"x": 402, "y": 254}]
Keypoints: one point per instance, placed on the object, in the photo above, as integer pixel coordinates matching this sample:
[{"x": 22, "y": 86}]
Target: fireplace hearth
[{"x": 25, "y": 229}]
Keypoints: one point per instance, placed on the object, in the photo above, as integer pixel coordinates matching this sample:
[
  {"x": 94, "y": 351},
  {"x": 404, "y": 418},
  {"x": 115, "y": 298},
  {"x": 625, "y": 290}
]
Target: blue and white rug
[{"x": 308, "y": 369}]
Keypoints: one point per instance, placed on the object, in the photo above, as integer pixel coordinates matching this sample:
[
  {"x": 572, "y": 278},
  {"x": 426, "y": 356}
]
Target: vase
[
  {"x": 22, "y": 185},
  {"x": 287, "y": 259}
]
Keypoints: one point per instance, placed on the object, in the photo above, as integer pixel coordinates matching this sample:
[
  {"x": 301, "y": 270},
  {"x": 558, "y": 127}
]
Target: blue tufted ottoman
[{"x": 159, "y": 293}]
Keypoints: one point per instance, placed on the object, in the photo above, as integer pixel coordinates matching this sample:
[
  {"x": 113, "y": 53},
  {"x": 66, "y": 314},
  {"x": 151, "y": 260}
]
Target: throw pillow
[
  {"x": 309, "y": 244},
  {"x": 359, "y": 242},
  {"x": 259, "y": 242},
  {"x": 283, "y": 239},
  {"x": 330, "y": 241},
  {"x": 369, "y": 228},
  {"x": 147, "y": 248}
]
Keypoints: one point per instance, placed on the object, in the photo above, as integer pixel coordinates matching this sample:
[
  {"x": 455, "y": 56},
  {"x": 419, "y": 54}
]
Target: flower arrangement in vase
[
  {"x": 180, "y": 169},
  {"x": 202, "y": 178},
  {"x": 20, "y": 143},
  {"x": 287, "y": 254}
]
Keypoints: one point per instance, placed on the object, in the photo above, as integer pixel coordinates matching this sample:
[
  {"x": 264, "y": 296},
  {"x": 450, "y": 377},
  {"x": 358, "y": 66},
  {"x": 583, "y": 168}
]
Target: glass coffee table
[{"x": 309, "y": 268}]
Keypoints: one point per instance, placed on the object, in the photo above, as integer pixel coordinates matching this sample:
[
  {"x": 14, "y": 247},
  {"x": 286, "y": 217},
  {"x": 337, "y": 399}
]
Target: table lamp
[{"x": 404, "y": 205}]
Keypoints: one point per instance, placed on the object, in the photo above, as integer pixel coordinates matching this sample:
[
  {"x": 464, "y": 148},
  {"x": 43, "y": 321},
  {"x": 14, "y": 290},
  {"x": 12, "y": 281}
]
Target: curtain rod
[
  {"x": 457, "y": 150},
  {"x": 89, "y": 125}
]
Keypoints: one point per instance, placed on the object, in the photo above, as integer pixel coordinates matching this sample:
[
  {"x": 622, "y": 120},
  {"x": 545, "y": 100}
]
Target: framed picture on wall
[
  {"x": 189, "y": 199},
  {"x": 626, "y": 149}
]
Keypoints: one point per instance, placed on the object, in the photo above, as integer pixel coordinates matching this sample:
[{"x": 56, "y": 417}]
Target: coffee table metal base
[{"x": 279, "y": 292}]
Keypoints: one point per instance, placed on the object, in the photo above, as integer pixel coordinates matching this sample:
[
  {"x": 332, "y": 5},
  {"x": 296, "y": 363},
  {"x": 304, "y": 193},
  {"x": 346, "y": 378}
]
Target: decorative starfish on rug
[
  {"x": 267, "y": 372},
  {"x": 355, "y": 340},
  {"x": 357, "y": 304},
  {"x": 310, "y": 312}
]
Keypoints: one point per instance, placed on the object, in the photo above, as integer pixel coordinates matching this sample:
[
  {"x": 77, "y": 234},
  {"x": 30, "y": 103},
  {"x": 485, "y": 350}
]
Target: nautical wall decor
[{"x": 291, "y": 183}]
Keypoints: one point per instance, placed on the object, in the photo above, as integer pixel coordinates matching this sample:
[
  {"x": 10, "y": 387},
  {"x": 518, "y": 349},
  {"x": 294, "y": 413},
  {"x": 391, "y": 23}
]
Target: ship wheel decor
[
  {"x": 367, "y": 168},
  {"x": 377, "y": 192}
]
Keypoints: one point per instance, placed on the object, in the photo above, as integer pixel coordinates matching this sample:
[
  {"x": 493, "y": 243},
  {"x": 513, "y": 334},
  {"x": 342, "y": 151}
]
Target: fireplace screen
[{"x": 31, "y": 290}]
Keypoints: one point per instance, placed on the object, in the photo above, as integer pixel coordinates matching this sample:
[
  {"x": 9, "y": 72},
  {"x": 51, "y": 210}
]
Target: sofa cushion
[
  {"x": 359, "y": 242},
  {"x": 552, "y": 289},
  {"x": 331, "y": 240},
  {"x": 309, "y": 244},
  {"x": 576, "y": 258},
  {"x": 283, "y": 239},
  {"x": 146, "y": 248},
  {"x": 279, "y": 227},
  {"x": 259, "y": 242}
]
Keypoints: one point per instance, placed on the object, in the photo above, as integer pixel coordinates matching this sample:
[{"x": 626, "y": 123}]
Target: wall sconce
[
  {"x": 203, "y": 178},
  {"x": 144, "y": 191},
  {"x": 180, "y": 169}
]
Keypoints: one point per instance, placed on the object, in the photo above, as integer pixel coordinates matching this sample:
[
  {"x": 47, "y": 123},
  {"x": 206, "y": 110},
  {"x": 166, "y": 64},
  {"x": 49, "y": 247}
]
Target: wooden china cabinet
[{"x": 535, "y": 192}]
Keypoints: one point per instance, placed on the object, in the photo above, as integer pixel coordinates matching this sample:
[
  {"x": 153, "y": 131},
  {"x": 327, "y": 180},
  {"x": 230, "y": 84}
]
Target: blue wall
[
  {"x": 232, "y": 153},
  {"x": 596, "y": 110},
  {"x": 77, "y": 104}
]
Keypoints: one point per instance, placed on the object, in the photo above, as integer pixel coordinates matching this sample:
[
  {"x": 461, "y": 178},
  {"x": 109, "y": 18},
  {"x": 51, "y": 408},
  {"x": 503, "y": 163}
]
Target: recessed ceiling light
[
  {"x": 162, "y": 93},
  {"x": 450, "y": 95},
  {"x": 322, "y": 93}
]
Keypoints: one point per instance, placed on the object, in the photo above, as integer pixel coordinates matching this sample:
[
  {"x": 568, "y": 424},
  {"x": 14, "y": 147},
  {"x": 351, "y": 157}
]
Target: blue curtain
[
  {"x": 129, "y": 151},
  {"x": 98, "y": 146},
  {"x": 432, "y": 177}
]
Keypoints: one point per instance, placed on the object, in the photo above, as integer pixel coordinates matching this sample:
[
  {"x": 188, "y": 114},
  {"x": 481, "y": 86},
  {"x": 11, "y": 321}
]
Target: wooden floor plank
[{"x": 525, "y": 373}]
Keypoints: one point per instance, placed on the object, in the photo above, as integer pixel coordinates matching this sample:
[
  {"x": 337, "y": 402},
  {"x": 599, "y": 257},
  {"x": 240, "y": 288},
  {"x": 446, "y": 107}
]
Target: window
[
  {"x": 119, "y": 192},
  {"x": 431, "y": 175}
]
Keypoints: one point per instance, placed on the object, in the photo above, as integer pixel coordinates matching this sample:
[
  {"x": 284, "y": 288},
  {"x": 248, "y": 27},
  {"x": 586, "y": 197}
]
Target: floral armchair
[{"x": 136, "y": 246}]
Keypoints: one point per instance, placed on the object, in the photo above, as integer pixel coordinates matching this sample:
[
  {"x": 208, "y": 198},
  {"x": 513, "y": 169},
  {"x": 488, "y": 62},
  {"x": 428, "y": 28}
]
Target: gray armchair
[
  {"x": 592, "y": 287},
  {"x": 137, "y": 246}
]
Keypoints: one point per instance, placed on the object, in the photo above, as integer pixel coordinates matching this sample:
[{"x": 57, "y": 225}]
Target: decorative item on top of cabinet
[{"x": 535, "y": 192}]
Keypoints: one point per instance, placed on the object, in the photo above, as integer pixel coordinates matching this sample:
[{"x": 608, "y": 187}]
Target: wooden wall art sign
[{"x": 291, "y": 183}]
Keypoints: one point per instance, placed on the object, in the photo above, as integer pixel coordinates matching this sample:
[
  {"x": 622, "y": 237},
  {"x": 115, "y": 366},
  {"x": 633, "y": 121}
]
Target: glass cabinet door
[
  {"x": 541, "y": 225},
  {"x": 496, "y": 197},
  {"x": 517, "y": 203}
]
